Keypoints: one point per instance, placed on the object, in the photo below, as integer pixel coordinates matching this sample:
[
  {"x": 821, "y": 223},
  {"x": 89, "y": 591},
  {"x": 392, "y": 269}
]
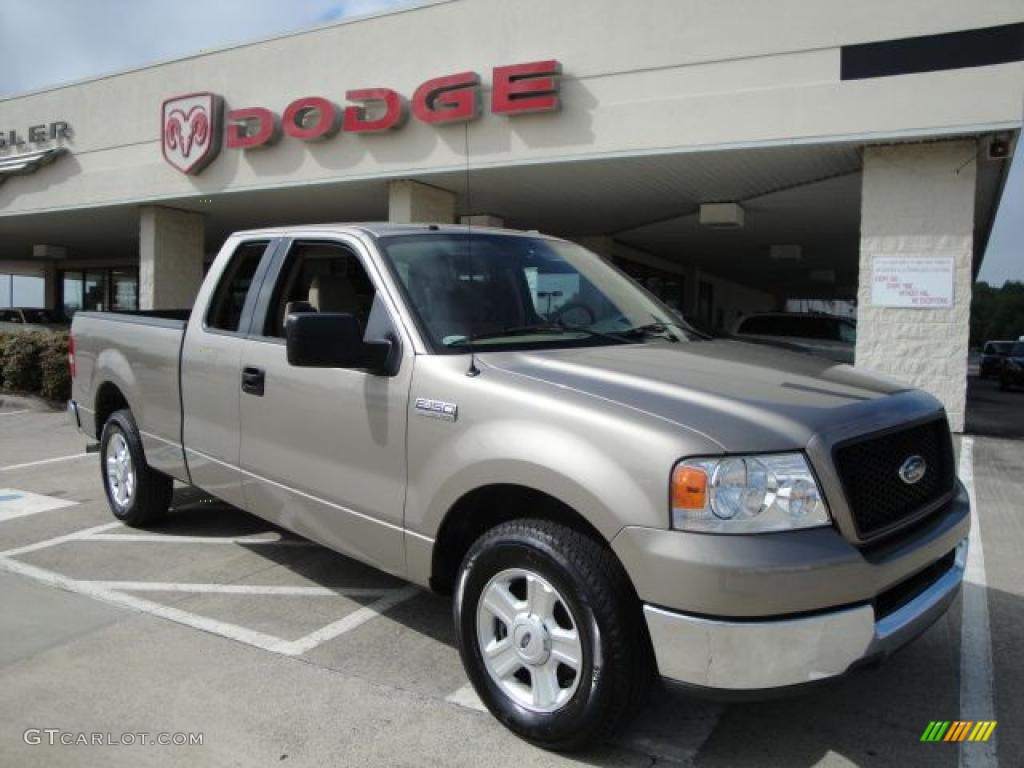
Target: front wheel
[
  {"x": 550, "y": 633},
  {"x": 137, "y": 494}
]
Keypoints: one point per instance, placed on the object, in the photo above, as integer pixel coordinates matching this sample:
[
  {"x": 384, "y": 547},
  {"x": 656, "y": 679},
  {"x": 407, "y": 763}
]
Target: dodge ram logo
[
  {"x": 190, "y": 131},
  {"x": 913, "y": 469}
]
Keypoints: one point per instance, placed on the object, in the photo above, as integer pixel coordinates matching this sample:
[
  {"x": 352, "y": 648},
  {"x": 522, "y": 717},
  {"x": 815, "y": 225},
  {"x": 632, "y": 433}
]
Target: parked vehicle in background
[
  {"x": 30, "y": 320},
  {"x": 823, "y": 335},
  {"x": 1011, "y": 374},
  {"x": 993, "y": 355},
  {"x": 606, "y": 493}
]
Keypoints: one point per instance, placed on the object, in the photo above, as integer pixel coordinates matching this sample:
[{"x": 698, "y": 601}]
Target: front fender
[{"x": 562, "y": 464}]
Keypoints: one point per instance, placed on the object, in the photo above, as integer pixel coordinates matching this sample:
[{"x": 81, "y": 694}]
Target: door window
[
  {"x": 320, "y": 277},
  {"x": 225, "y": 313}
]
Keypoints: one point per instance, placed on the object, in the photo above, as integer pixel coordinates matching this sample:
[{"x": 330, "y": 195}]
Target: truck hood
[{"x": 744, "y": 397}]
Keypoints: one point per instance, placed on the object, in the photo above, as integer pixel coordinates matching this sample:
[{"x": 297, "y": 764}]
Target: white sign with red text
[{"x": 918, "y": 282}]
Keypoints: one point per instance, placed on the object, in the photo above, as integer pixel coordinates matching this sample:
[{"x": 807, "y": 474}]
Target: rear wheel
[
  {"x": 550, "y": 634},
  {"x": 138, "y": 495}
]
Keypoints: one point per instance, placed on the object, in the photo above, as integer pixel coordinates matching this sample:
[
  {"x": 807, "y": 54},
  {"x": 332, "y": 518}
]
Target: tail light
[{"x": 71, "y": 356}]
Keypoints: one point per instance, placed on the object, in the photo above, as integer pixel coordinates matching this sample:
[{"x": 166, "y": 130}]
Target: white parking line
[
  {"x": 976, "y": 700},
  {"x": 111, "y": 592},
  {"x": 14, "y": 413},
  {"x": 222, "y": 628},
  {"x": 15, "y": 503},
  {"x": 11, "y": 467},
  {"x": 57, "y": 540},
  {"x": 239, "y": 589},
  {"x": 350, "y": 622},
  {"x": 466, "y": 697}
]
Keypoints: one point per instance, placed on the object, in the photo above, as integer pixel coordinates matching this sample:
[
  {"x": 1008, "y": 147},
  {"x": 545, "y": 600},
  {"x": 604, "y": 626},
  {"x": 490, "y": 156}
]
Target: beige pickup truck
[{"x": 609, "y": 496}]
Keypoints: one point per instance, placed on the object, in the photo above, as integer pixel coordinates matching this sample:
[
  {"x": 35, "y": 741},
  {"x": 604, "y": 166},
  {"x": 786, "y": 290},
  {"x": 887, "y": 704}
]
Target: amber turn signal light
[{"x": 689, "y": 488}]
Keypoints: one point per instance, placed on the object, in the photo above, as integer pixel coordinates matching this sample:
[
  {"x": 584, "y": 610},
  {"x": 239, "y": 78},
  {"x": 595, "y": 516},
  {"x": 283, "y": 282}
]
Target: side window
[
  {"x": 225, "y": 312},
  {"x": 320, "y": 277}
]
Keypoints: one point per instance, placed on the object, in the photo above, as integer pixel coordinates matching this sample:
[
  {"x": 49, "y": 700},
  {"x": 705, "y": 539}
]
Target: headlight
[{"x": 746, "y": 494}]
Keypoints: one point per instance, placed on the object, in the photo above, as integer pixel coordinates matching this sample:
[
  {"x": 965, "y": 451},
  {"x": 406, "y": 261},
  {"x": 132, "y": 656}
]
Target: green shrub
[
  {"x": 35, "y": 363},
  {"x": 21, "y": 371},
  {"x": 55, "y": 377}
]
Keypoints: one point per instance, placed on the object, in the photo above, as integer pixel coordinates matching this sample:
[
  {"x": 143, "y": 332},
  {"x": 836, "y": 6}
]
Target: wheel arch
[
  {"x": 109, "y": 398},
  {"x": 481, "y": 509}
]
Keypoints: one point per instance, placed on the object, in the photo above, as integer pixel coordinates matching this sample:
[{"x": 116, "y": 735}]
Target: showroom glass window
[
  {"x": 22, "y": 291},
  {"x": 114, "y": 289}
]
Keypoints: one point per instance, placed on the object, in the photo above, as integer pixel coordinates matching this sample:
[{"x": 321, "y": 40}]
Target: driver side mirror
[{"x": 335, "y": 340}]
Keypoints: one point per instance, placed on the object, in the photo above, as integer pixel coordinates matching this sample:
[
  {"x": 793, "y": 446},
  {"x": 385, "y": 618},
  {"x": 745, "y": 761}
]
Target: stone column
[
  {"x": 50, "y": 255},
  {"x": 170, "y": 257},
  {"x": 918, "y": 200},
  {"x": 51, "y": 293},
  {"x": 482, "y": 220},
  {"x": 411, "y": 201}
]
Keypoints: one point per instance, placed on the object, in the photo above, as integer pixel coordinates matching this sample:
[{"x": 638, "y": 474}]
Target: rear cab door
[
  {"x": 210, "y": 364},
  {"x": 323, "y": 450}
]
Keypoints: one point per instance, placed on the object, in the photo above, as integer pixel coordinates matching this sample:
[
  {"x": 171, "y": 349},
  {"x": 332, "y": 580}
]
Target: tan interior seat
[{"x": 333, "y": 293}]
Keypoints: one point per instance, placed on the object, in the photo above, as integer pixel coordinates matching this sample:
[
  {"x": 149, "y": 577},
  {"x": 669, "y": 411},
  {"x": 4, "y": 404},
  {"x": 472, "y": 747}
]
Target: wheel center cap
[{"x": 531, "y": 641}]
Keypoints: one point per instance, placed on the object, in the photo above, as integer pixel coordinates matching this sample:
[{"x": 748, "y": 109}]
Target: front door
[{"x": 323, "y": 449}]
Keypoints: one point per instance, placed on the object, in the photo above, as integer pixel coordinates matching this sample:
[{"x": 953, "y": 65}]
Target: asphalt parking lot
[{"x": 280, "y": 652}]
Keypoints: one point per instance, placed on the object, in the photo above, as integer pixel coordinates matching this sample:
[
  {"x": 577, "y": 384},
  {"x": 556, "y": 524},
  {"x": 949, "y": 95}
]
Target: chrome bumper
[{"x": 756, "y": 654}]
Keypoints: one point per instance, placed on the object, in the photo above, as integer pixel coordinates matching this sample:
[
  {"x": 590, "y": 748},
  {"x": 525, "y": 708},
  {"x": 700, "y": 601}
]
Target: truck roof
[{"x": 383, "y": 228}]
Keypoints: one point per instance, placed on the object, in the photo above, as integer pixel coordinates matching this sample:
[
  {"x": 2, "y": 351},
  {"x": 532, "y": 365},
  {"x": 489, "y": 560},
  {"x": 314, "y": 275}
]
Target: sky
[{"x": 86, "y": 38}]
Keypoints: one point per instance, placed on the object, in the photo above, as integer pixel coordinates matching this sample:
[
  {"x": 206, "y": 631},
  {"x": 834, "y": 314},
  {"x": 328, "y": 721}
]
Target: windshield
[
  {"x": 1017, "y": 350},
  {"x": 509, "y": 292}
]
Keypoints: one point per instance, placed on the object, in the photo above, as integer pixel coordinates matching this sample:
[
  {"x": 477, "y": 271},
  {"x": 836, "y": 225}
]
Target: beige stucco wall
[
  {"x": 670, "y": 75},
  {"x": 918, "y": 200}
]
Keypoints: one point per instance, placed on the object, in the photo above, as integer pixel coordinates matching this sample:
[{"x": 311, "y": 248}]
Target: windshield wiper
[{"x": 530, "y": 330}]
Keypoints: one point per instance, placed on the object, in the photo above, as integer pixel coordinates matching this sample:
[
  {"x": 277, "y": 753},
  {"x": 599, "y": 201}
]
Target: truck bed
[{"x": 138, "y": 355}]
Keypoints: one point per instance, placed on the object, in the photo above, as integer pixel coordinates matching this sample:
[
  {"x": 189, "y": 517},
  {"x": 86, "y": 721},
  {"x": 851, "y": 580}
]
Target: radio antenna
[{"x": 473, "y": 370}]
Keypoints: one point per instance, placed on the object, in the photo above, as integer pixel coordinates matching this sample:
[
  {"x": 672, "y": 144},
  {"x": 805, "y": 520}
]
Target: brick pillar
[
  {"x": 918, "y": 200},
  {"x": 170, "y": 257}
]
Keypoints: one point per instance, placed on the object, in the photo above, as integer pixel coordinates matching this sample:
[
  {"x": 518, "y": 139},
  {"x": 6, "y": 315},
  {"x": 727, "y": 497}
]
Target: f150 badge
[{"x": 436, "y": 409}]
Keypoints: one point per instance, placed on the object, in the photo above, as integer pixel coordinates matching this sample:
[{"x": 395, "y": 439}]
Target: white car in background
[
  {"x": 817, "y": 334},
  {"x": 30, "y": 320}
]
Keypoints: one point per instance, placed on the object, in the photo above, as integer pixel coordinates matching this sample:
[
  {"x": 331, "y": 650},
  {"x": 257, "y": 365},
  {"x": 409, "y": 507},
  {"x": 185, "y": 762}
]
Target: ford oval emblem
[{"x": 913, "y": 469}]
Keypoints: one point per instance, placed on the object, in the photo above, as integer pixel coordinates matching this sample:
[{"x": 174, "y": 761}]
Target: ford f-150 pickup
[{"x": 608, "y": 495}]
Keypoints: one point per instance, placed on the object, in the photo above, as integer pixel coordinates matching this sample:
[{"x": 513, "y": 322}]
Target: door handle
[{"x": 253, "y": 380}]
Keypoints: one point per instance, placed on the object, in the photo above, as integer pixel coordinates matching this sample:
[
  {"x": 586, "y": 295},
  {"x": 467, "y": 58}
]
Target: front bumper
[{"x": 760, "y": 654}]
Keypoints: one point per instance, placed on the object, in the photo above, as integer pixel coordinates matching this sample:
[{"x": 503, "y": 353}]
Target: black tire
[
  {"x": 151, "y": 495},
  {"x": 1004, "y": 384},
  {"x": 617, "y": 669}
]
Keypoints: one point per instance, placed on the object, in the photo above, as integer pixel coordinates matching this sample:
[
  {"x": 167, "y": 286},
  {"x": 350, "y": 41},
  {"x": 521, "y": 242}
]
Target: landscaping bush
[
  {"x": 21, "y": 363},
  {"x": 55, "y": 377},
  {"x": 35, "y": 363}
]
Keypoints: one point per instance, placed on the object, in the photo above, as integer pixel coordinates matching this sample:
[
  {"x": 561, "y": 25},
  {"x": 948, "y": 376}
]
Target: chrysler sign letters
[{"x": 191, "y": 129}]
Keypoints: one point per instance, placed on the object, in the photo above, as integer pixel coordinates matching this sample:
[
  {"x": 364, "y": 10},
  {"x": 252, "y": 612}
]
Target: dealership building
[{"x": 732, "y": 156}]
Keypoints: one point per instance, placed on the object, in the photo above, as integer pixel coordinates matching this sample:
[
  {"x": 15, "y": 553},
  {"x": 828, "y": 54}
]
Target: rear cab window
[{"x": 227, "y": 307}]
